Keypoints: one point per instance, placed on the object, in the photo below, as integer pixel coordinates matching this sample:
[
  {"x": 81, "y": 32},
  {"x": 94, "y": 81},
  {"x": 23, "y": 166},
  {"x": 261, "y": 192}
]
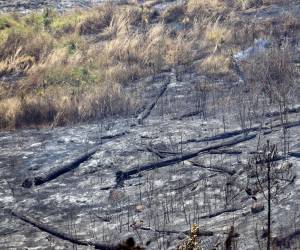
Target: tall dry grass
[
  {"x": 69, "y": 78},
  {"x": 204, "y": 9}
]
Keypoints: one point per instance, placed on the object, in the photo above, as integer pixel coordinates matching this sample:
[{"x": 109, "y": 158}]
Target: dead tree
[
  {"x": 229, "y": 242},
  {"x": 202, "y": 95},
  {"x": 268, "y": 177}
]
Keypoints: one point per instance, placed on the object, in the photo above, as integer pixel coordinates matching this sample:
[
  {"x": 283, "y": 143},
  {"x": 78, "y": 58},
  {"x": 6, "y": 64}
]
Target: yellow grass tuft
[
  {"x": 215, "y": 64},
  {"x": 180, "y": 51},
  {"x": 217, "y": 34},
  {"x": 204, "y": 8}
]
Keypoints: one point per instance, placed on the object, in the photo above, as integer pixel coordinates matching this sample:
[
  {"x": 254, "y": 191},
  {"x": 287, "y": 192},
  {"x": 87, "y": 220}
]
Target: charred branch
[
  {"x": 121, "y": 176},
  {"x": 60, "y": 170}
]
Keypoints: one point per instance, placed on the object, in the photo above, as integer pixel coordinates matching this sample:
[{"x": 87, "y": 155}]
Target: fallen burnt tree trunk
[
  {"x": 294, "y": 154},
  {"x": 193, "y": 182},
  {"x": 146, "y": 112},
  {"x": 199, "y": 233},
  {"x": 60, "y": 170},
  {"x": 62, "y": 235},
  {"x": 287, "y": 240},
  {"x": 156, "y": 152},
  {"x": 113, "y": 136},
  {"x": 226, "y": 151},
  {"x": 287, "y": 125},
  {"x": 225, "y": 135},
  {"x": 121, "y": 176},
  {"x": 226, "y": 210},
  {"x": 288, "y": 110},
  {"x": 162, "y": 154},
  {"x": 218, "y": 169},
  {"x": 187, "y": 115}
]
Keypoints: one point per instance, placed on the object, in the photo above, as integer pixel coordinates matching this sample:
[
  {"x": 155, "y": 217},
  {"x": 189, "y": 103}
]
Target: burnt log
[
  {"x": 225, "y": 135},
  {"x": 60, "y": 170},
  {"x": 294, "y": 154},
  {"x": 156, "y": 152},
  {"x": 193, "y": 182},
  {"x": 146, "y": 112},
  {"x": 217, "y": 213},
  {"x": 62, "y": 235},
  {"x": 121, "y": 176},
  {"x": 218, "y": 169},
  {"x": 288, "y": 110},
  {"x": 187, "y": 115},
  {"x": 286, "y": 240},
  {"x": 226, "y": 151},
  {"x": 187, "y": 232}
]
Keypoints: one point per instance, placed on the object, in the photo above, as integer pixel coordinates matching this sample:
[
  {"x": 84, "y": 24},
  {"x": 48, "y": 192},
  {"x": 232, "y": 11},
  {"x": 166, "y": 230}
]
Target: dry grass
[
  {"x": 9, "y": 111},
  {"x": 64, "y": 82},
  {"x": 217, "y": 34},
  {"x": 180, "y": 51},
  {"x": 215, "y": 65},
  {"x": 97, "y": 20},
  {"x": 203, "y": 9},
  {"x": 199, "y": 5},
  {"x": 67, "y": 78},
  {"x": 61, "y": 106},
  {"x": 246, "y": 4}
]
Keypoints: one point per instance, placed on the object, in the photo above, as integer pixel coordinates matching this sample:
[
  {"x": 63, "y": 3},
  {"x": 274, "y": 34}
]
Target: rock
[
  {"x": 181, "y": 236},
  {"x": 137, "y": 224},
  {"x": 257, "y": 207},
  {"x": 139, "y": 208}
]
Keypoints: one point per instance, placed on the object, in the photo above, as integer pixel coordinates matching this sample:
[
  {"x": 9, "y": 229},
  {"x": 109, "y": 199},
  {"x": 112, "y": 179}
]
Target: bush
[{"x": 62, "y": 24}]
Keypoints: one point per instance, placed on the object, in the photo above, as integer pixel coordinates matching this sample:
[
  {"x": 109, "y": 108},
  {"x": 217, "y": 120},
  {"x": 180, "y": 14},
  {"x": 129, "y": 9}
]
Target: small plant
[
  {"x": 192, "y": 242},
  {"x": 48, "y": 16}
]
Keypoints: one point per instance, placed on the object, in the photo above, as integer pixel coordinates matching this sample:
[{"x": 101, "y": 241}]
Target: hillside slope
[{"x": 162, "y": 122}]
